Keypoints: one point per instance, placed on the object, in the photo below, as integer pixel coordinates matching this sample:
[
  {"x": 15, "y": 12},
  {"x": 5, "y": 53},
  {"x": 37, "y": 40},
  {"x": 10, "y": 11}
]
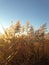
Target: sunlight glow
[{"x": 20, "y": 34}]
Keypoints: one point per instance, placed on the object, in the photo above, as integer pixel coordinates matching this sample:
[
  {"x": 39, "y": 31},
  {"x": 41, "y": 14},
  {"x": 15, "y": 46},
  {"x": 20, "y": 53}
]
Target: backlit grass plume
[{"x": 22, "y": 45}]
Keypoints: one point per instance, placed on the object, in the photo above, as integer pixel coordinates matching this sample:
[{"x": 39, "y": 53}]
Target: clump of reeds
[{"x": 21, "y": 45}]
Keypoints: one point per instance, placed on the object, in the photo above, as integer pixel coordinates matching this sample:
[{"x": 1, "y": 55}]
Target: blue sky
[{"x": 35, "y": 11}]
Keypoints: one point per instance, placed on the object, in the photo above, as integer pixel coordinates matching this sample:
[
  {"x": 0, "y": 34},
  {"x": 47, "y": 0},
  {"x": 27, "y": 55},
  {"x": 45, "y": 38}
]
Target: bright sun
[{"x": 1, "y": 30}]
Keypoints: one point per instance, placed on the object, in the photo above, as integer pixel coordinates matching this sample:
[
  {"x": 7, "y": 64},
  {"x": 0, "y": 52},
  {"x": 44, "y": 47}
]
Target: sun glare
[{"x": 1, "y": 30}]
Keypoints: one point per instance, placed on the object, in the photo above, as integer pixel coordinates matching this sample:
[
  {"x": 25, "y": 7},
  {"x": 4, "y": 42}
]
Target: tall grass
[{"x": 21, "y": 45}]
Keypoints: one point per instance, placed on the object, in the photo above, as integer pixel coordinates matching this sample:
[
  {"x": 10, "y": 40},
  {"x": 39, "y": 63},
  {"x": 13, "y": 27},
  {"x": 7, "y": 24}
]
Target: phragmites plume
[{"x": 28, "y": 29}]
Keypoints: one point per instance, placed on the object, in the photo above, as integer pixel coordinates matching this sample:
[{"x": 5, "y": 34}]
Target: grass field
[{"x": 24, "y": 49}]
